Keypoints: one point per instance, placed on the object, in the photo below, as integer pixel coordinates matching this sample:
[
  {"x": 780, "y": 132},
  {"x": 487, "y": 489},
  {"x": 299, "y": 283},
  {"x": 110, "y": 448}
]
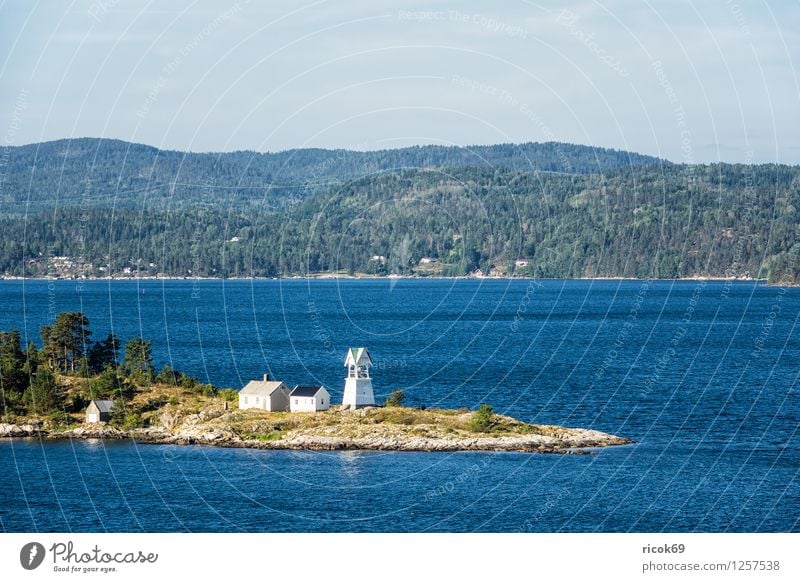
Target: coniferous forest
[{"x": 92, "y": 207}]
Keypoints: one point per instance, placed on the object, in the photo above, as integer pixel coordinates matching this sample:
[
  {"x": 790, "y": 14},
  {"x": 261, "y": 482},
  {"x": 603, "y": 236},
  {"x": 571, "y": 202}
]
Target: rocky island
[
  {"x": 73, "y": 388},
  {"x": 188, "y": 418}
]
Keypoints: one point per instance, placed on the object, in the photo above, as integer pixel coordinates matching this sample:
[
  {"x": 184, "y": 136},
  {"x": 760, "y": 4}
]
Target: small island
[{"x": 72, "y": 389}]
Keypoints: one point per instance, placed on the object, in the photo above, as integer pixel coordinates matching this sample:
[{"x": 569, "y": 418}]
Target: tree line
[
  {"x": 70, "y": 370},
  {"x": 660, "y": 221}
]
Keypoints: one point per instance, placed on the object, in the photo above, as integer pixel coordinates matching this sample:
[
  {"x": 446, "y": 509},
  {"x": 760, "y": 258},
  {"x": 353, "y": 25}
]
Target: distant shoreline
[{"x": 333, "y": 276}]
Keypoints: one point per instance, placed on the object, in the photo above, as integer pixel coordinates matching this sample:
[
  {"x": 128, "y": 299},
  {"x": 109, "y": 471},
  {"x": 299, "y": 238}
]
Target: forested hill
[
  {"x": 92, "y": 172},
  {"x": 661, "y": 221}
]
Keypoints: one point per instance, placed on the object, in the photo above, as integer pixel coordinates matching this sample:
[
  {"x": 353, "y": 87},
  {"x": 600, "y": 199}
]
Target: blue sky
[{"x": 689, "y": 81}]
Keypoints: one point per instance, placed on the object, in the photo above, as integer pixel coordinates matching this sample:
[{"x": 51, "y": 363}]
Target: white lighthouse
[{"x": 358, "y": 384}]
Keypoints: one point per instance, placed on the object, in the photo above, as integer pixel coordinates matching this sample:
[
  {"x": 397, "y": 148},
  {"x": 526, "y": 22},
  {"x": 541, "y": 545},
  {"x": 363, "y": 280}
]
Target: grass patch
[
  {"x": 397, "y": 415},
  {"x": 274, "y": 435}
]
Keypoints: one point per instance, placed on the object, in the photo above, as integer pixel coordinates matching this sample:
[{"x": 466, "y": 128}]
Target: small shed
[
  {"x": 266, "y": 394},
  {"x": 309, "y": 399},
  {"x": 99, "y": 411}
]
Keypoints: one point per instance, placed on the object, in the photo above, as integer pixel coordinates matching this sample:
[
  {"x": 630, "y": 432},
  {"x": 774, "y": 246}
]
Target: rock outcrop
[
  {"x": 19, "y": 431},
  {"x": 342, "y": 430}
]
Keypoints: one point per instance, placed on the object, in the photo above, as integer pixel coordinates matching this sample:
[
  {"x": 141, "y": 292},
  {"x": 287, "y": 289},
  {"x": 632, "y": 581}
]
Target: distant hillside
[
  {"x": 660, "y": 221},
  {"x": 663, "y": 222},
  {"x": 94, "y": 173}
]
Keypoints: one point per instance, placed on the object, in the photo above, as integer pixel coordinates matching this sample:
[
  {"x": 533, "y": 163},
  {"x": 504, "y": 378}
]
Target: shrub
[
  {"x": 76, "y": 402},
  {"x": 404, "y": 418},
  {"x": 275, "y": 435},
  {"x": 13, "y": 403},
  {"x": 154, "y": 403},
  {"x": 208, "y": 390},
  {"x": 187, "y": 382},
  {"x": 228, "y": 394},
  {"x": 483, "y": 419},
  {"x": 106, "y": 385},
  {"x": 119, "y": 412},
  {"x": 132, "y": 420},
  {"x": 59, "y": 418},
  {"x": 167, "y": 375},
  {"x": 396, "y": 398}
]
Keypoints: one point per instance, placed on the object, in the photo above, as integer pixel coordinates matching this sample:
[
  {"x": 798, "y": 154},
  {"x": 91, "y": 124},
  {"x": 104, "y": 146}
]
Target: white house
[
  {"x": 426, "y": 260},
  {"x": 521, "y": 262},
  {"x": 265, "y": 394},
  {"x": 358, "y": 384},
  {"x": 309, "y": 399}
]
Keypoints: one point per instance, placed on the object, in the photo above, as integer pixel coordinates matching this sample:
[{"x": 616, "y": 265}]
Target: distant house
[
  {"x": 521, "y": 262},
  {"x": 99, "y": 411},
  {"x": 378, "y": 258},
  {"x": 309, "y": 399},
  {"x": 266, "y": 394},
  {"x": 426, "y": 260}
]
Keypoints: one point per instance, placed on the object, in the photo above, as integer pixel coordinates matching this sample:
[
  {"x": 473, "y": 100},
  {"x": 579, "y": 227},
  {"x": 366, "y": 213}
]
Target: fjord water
[{"x": 702, "y": 375}]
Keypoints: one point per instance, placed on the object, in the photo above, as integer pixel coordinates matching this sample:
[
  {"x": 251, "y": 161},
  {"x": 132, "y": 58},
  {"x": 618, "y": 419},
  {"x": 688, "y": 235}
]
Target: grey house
[
  {"x": 99, "y": 411},
  {"x": 265, "y": 394}
]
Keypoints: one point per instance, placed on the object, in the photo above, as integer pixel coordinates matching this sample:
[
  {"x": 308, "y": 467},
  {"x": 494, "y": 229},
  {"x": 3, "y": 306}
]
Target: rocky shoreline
[{"x": 573, "y": 441}]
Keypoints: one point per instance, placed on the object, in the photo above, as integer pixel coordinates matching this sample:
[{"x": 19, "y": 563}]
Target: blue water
[{"x": 703, "y": 376}]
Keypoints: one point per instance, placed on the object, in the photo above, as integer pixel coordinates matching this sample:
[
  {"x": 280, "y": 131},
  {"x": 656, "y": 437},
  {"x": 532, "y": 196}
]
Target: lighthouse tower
[{"x": 358, "y": 384}]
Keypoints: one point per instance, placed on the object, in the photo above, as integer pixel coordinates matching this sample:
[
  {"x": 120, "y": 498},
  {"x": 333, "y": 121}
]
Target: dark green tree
[
  {"x": 44, "y": 394},
  {"x": 118, "y": 412},
  {"x": 139, "y": 360},
  {"x": 66, "y": 341},
  {"x": 33, "y": 359},
  {"x": 103, "y": 354},
  {"x": 13, "y": 377},
  {"x": 109, "y": 385}
]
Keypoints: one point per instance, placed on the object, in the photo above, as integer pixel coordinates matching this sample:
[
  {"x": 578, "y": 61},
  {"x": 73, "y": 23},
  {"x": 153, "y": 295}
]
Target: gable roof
[
  {"x": 306, "y": 391},
  {"x": 103, "y": 405},
  {"x": 357, "y": 356},
  {"x": 261, "y": 388}
]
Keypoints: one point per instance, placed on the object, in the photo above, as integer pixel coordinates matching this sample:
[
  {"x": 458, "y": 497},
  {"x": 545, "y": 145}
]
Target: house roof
[
  {"x": 357, "y": 356},
  {"x": 103, "y": 405},
  {"x": 261, "y": 388},
  {"x": 306, "y": 390}
]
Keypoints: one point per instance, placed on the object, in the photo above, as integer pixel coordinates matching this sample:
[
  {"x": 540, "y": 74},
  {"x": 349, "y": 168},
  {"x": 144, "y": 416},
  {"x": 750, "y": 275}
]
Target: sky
[{"x": 688, "y": 81}]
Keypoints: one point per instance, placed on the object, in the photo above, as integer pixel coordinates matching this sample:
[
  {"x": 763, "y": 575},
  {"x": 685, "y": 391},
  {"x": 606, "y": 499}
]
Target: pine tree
[
  {"x": 139, "y": 360},
  {"x": 103, "y": 354},
  {"x": 44, "y": 394}
]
